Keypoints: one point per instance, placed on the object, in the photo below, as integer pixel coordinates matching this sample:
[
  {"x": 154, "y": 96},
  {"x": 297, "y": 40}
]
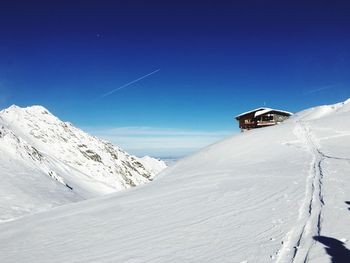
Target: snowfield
[
  {"x": 45, "y": 162},
  {"x": 275, "y": 194}
]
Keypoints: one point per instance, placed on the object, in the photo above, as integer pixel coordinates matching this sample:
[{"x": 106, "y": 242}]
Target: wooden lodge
[{"x": 261, "y": 117}]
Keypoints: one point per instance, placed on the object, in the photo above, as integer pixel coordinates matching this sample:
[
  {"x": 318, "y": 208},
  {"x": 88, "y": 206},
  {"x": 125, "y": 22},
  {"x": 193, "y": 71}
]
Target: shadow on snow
[
  {"x": 348, "y": 203},
  {"x": 335, "y": 248}
]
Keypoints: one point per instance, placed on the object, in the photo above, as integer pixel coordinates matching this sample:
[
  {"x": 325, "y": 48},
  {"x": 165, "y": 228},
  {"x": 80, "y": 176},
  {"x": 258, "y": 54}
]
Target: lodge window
[{"x": 267, "y": 118}]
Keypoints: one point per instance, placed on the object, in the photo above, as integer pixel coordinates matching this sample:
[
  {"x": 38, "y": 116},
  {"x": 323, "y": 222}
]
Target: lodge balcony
[{"x": 251, "y": 124}]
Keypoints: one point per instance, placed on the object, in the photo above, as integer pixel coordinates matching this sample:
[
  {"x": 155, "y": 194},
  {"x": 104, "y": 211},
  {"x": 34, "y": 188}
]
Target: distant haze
[{"x": 159, "y": 142}]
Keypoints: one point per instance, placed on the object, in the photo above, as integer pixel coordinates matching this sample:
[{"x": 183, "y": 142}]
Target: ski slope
[{"x": 275, "y": 194}]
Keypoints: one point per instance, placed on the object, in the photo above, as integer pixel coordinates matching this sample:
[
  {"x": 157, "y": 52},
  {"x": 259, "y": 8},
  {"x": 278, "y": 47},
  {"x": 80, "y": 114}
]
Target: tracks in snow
[{"x": 299, "y": 240}]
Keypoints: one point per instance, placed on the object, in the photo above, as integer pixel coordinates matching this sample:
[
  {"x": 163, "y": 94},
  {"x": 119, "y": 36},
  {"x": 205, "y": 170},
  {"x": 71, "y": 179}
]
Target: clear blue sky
[{"x": 216, "y": 59}]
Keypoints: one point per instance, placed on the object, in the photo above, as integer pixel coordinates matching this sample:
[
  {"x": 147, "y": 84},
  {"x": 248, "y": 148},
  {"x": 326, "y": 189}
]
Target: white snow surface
[
  {"x": 259, "y": 196},
  {"x": 45, "y": 162}
]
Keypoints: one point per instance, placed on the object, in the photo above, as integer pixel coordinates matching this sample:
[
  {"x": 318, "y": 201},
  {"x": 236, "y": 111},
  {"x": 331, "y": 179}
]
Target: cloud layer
[{"x": 160, "y": 142}]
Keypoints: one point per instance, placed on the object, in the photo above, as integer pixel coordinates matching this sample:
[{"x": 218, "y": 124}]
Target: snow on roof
[
  {"x": 251, "y": 111},
  {"x": 261, "y": 111}
]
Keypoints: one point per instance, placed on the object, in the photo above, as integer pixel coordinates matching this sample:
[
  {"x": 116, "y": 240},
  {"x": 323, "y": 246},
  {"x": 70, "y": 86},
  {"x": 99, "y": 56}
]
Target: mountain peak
[
  {"x": 35, "y": 109},
  {"x": 13, "y": 107}
]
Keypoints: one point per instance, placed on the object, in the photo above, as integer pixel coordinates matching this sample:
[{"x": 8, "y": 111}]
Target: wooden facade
[{"x": 261, "y": 117}]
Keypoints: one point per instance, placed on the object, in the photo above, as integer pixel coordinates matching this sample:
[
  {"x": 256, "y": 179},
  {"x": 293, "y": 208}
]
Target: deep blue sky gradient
[{"x": 216, "y": 59}]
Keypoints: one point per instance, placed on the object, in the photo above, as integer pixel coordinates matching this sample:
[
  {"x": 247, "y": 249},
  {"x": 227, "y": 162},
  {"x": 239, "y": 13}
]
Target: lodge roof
[{"x": 261, "y": 111}]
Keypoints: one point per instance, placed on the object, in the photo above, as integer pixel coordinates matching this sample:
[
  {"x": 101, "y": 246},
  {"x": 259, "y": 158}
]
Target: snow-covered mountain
[
  {"x": 45, "y": 162},
  {"x": 277, "y": 194}
]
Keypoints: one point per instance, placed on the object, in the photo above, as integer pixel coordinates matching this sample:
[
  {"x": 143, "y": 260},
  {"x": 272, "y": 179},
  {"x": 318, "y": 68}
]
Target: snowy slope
[
  {"x": 25, "y": 184},
  {"x": 45, "y": 162},
  {"x": 260, "y": 196}
]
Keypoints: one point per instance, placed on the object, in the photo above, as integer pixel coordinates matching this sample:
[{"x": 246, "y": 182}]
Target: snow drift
[{"x": 275, "y": 194}]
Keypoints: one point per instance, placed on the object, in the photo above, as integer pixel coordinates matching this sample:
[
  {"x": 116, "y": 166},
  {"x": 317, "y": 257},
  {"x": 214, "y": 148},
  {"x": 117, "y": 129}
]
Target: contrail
[
  {"x": 308, "y": 92},
  {"x": 129, "y": 83}
]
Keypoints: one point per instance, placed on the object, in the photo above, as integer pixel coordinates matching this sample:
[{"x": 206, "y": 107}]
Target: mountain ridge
[{"x": 81, "y": 163}]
